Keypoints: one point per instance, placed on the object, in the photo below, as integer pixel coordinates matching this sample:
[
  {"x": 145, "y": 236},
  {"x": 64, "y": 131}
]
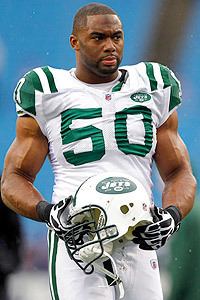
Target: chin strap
[{"x": 114, "y": 275}]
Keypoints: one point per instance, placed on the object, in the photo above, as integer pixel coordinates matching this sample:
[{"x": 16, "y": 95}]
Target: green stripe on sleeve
[
  {"x": 165, "y": 76},
  {"x": 25, "y": 92},
  {"x": 170, "y": 81},
  {"x": 17, "y": 90},
  {"x": 50, "y": 79},
  {"x": 35, "y": 80},
  {"x": 151, "y": 76}
]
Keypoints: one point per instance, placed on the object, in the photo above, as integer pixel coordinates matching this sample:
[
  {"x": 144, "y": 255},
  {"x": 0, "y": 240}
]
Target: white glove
[
  {"x": 155, "y": 235},
  {"x": 55, "y": 215}
]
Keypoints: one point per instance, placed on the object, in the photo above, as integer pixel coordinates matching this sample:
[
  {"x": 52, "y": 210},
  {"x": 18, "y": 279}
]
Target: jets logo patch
[
  {"x": 115, "y": 185},
  {"x": 140, "y": 97}
]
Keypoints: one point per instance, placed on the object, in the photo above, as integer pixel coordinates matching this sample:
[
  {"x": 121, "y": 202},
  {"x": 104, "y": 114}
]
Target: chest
[{"x": 84, "y": 127}]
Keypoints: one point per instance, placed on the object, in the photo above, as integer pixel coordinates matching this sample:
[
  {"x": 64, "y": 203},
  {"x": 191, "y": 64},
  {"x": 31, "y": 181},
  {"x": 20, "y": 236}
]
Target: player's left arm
[{"x": 173, "y": 163}]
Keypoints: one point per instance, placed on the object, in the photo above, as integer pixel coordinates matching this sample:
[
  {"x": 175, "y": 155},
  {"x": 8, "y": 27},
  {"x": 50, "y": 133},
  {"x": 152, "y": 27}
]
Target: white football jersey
[{"x": 91, "y": 130}]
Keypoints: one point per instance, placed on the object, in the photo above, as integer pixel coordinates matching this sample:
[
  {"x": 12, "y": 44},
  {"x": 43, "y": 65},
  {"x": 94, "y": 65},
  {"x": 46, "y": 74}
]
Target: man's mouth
[{"x": 109, "y": 60}]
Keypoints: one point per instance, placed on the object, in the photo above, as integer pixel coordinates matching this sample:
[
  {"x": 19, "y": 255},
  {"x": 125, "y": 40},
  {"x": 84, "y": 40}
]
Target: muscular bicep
[
  {"x": 28, "y": 151},
  {"x": 171, "y": 154}
]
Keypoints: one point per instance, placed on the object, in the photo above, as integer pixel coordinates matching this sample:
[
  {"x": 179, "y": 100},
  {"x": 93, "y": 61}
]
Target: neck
[{"x": 89, "y": 77}]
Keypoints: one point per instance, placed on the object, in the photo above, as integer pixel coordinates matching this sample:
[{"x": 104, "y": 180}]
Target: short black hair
[{"x": 80, "y": 18}]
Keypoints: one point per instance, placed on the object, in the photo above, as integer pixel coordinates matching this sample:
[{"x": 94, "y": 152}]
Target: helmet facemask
[{"x": 87, "y": 232}]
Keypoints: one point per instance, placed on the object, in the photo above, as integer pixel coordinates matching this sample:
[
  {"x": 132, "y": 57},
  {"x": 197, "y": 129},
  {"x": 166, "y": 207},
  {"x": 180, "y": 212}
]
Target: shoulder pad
[
  {"x": 161, "y": 76},
  {"x": 39, "y": 80},
  {"x": 24, "y": 94}
]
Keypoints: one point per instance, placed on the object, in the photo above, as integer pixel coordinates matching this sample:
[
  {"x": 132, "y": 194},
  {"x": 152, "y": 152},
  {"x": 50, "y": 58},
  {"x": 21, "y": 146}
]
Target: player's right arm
[
  {"x": 27, "y": 155},
  {"x": 23, "y": 161}
]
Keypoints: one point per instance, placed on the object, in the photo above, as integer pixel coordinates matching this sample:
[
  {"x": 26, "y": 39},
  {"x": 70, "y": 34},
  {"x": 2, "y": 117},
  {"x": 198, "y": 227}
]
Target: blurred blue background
[{"x": 35, "y": 33}]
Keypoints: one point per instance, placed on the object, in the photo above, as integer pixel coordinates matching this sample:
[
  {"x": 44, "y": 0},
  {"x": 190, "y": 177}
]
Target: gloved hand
[
  {"x": 55, "y": 215},
  {"x": 155, "y": 235}
]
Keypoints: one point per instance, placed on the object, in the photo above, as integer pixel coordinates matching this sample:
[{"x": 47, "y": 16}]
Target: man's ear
[{"x": 74, "y": 42}]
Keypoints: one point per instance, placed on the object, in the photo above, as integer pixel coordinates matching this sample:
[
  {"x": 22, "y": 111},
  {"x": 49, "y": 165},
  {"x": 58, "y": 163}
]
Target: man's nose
[{"x": 109, "y": 45}]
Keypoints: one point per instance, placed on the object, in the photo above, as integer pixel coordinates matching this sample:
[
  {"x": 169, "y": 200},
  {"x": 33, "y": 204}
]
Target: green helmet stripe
[
  {"x": 151, "y": 76},
  {"x": 50, "y": 79}
]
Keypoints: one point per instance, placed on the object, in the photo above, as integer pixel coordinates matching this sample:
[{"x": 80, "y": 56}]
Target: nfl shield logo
[
  {"x": 108, "y": 97},
  {"x": 154, "y": 264}
]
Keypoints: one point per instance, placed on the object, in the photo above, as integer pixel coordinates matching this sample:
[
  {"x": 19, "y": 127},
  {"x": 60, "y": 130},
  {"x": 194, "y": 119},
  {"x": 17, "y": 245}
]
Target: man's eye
[
  {"x": 117, "y": 37},
  {"x": 98, "y": 38}
]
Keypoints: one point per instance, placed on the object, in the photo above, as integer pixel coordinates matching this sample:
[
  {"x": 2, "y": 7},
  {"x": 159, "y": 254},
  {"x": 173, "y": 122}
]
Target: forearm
[
  {"x": 180, "y": 191},
  {"x": 20, "y": 195}
]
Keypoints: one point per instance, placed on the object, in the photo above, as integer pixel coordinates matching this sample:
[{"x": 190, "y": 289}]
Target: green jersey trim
[
  {"x": 49, "y": 254},
  {"x": 29, "y": 85},
  {"x": 24, "y": 93},
  {"x": 151, "y": 76},
  {"x": 117, "y": 87},
  {"x": 50, "y": 79},
  {"x": 53, "y": 247},
  {"x": 122, "y": 80},
  {"x": 170, "y": 81}
]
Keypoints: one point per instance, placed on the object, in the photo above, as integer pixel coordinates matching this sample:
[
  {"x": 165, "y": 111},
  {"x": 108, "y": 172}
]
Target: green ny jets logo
[
  {"x": 115, "y": 185},
  {"x": 140, "y": 97}
]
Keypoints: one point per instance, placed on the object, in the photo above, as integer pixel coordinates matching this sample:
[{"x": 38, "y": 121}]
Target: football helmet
[{"x": 105, "y": 208}]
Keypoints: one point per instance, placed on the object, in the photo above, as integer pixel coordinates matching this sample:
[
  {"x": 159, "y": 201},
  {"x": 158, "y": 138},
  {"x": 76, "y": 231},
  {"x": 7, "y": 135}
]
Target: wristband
[
  {"x": 43, "y": 209},
  {"x": 175, "y": 213}
]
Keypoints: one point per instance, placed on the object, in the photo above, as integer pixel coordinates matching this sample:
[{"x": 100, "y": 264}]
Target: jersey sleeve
[
  {"x": 164, "y": 83},
  {"x": 26, "y": 92},
  {"x": 28, "y": 97}
]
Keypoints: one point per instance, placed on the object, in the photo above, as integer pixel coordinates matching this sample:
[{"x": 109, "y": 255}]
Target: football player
[{"x": 94, "y": 118}]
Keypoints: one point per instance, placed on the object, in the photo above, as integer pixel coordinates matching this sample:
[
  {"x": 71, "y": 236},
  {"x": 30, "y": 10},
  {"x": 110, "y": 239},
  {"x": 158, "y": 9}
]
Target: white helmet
[{"x": 105, "y": 207}]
